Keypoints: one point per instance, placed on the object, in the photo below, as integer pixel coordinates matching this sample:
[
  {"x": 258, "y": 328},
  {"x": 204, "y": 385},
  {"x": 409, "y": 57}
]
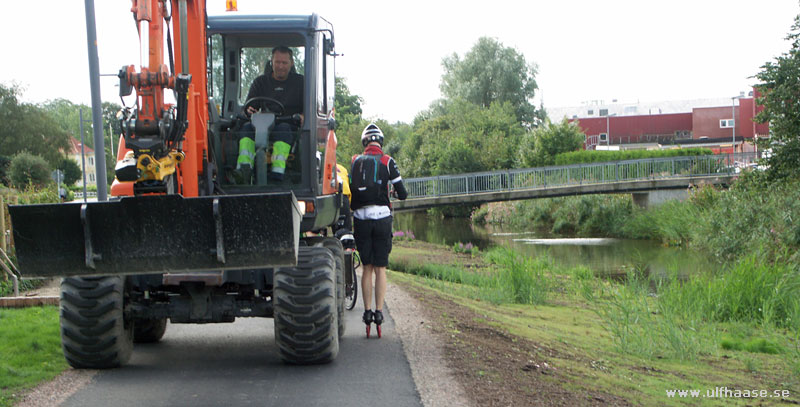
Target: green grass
[
  {"x": 584, "y": 352},
  {"x": 30, "y": 346},
  {"x": 511, "y": 279},
  {"x": 640, "y": 337}
]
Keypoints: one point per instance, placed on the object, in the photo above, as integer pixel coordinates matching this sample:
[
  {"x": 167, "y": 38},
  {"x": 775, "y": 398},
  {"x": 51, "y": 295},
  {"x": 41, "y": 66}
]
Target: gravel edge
[
  {"x": 435, "y": 382},
  {"x": 54, "y": 392}
]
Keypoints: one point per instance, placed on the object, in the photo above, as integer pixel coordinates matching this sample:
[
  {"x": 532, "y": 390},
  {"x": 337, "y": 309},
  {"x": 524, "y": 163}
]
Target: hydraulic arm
[{"x": 165, "y": 140}]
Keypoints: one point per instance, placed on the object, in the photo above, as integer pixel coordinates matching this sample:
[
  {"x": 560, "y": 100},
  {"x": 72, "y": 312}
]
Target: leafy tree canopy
[
  {"x": 459, "y": 136},
  {"x": 491, "y": 72},
  {"x": 71, "y": 170},
  {"x": 347, "y": 104},
  {"x": 780, "y": 89},
  {"x": 540, "y": 146},
  {"x": 27, "y": 127}
]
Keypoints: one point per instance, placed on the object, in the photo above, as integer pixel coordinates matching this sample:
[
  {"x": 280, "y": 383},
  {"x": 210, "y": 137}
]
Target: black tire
[
  {"x": 334, "y": 245},
  {"x": 94, "y": 331},
  {"x": 149, "y": 330},
  {"x": 351, "y": 293},
  {"x": 305, "y": 308}
]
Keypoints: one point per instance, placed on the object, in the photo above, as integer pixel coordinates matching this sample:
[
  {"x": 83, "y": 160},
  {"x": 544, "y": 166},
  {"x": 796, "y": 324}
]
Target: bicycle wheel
[{"x": 351, "y": 288}]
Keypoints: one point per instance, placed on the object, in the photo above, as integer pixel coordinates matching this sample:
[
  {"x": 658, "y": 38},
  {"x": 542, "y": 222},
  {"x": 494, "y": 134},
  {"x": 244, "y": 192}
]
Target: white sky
[{"x": 631, "y": 50}]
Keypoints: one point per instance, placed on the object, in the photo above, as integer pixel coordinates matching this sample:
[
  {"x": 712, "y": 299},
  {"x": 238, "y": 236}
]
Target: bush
[
  {"x": 32, "y": 195},
  {"x": 596, "y": 215},
  {"x": 71, "y": 170},
  {"x": 752, "y": 290},
  {"x": 468, "y": 248},
  {"x": 28, "y": 169},
  {"x": 478, "y": 216},
  {"x": 5, "y": 162}
]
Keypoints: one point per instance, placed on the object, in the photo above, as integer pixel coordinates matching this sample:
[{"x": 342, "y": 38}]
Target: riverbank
[
  {"x": 752, "y": 216},
  {"x": 568, "y": 337}
]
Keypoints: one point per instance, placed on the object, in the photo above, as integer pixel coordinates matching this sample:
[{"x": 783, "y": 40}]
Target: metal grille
[{"x": 577, "y": 174}]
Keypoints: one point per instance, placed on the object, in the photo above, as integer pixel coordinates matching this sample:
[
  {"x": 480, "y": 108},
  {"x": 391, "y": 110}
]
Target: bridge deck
[{"x": 595, "y": 178}]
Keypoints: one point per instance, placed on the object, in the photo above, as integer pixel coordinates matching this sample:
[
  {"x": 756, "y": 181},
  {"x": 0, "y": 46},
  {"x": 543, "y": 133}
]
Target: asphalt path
[{"x": 237, "y": 364}]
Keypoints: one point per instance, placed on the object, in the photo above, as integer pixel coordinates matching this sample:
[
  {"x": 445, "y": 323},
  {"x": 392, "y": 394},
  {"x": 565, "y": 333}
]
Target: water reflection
[
  {"x": 603, "y": 255},
  {"x": 602, "y": 241}
]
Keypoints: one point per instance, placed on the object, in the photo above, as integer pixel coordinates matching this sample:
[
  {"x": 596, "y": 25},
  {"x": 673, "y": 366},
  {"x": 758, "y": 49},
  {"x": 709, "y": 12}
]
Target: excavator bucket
[{"x": 157, "y": 234}]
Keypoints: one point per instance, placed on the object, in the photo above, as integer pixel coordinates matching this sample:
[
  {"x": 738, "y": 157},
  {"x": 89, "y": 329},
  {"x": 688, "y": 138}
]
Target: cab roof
[{"x": 254, "y": 24}]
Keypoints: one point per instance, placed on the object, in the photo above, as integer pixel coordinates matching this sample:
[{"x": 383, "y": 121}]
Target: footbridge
[{"x": 639, "y": 177}]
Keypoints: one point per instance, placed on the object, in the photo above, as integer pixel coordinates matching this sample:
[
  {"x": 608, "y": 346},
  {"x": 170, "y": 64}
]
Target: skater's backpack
[{"x": 369, "y": 175}]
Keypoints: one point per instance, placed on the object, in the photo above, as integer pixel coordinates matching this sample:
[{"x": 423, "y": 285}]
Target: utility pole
[{"x": 97, "y": 117}]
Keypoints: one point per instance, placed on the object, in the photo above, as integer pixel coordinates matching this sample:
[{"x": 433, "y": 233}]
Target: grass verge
[
  {"x": 640, "y": 338},
  {"x": 30, "y": 346}
]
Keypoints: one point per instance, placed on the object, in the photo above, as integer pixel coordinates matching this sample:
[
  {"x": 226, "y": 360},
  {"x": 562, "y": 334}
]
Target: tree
[
  {"x": 540, "y": 146},
  {"x": 67, "y": 115},
  {"x": 349, "y": 122},
  {"x": 491, "y": 72},
  {"x": 5, "y": 162},
  {"x": 26, "y": 169},
  {"x": 441, "y": 137},
  {"x": 780, "y": 89},
  {"x": 72, "y": 172},
  {"x": 27, "y": 127},
  {"x": 347, "y": 104}
]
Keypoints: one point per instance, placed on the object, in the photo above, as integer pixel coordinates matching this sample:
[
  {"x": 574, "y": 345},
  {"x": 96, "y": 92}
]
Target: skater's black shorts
[{"x": 373, "y": 240}]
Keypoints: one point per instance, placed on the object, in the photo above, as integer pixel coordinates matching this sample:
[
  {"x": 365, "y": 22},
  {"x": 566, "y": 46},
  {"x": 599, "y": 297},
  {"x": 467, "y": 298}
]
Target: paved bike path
[{"x": 238, "y": 365}]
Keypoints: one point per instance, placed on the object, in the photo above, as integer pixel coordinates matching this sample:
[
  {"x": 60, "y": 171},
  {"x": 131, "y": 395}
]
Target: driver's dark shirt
[{"x": 288, "y": 92}]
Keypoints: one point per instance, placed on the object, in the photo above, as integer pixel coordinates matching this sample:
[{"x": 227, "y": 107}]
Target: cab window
[{"x": 255, "y": 62}]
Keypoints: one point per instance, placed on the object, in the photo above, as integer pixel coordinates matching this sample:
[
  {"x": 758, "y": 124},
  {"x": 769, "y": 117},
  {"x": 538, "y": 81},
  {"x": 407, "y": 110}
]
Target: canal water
[{"x": 612, "y": 257}]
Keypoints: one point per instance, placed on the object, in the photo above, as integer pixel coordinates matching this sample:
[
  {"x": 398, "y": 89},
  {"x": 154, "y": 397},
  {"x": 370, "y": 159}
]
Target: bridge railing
[{"x": 577, "y": 174}]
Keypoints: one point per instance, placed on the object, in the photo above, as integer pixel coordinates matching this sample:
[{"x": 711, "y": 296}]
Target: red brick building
[{"x": 706, "y": 123}]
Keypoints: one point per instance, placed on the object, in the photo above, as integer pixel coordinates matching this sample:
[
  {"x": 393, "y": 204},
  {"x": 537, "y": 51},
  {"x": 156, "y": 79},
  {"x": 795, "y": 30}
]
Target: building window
[
  {"x": 590, "y": 112},
  {"x": 603, "y": 112},
  {"x": 726, "y": 123},
  {"x": 630, "y": 109},
  {"x": 91, "y": 160},
  {"x": 603, "y": 137},
  {"x": 91, "y": 177}
]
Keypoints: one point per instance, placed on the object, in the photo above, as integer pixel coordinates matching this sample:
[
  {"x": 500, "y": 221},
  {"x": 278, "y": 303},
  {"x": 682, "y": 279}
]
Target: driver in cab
[{"x": 286, "y": 86}]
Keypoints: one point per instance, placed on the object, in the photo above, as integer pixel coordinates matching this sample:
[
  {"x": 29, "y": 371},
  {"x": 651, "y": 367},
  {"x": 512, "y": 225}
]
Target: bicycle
[{"x": 352, "y": 262}]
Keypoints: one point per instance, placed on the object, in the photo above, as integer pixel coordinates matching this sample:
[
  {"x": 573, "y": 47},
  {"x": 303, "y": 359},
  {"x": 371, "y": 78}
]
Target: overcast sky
[{"x": 630, "y": 50}]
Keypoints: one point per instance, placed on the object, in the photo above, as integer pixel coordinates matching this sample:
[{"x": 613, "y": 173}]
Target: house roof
[
  {"x": 635, "y": 109},
  {"x": 75, "y": 147}
]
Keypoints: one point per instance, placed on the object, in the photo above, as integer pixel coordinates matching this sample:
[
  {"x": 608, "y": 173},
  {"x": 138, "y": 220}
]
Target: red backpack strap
[
  {"x": 353, "y": 159},
  {"x": 385, "y": 160}
]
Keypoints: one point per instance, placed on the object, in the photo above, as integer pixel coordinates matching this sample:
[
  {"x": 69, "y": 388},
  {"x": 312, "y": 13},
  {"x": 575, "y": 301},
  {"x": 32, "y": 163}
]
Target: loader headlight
[{"x": 307, "y": 207}]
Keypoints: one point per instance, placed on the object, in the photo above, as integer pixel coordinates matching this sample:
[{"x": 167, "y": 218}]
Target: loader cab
[{"x": 239, "y": 50}]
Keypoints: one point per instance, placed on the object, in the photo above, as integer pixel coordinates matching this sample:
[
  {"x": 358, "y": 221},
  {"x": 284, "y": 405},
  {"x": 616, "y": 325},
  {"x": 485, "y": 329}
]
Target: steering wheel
[{"x": 260, "y": 102}]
